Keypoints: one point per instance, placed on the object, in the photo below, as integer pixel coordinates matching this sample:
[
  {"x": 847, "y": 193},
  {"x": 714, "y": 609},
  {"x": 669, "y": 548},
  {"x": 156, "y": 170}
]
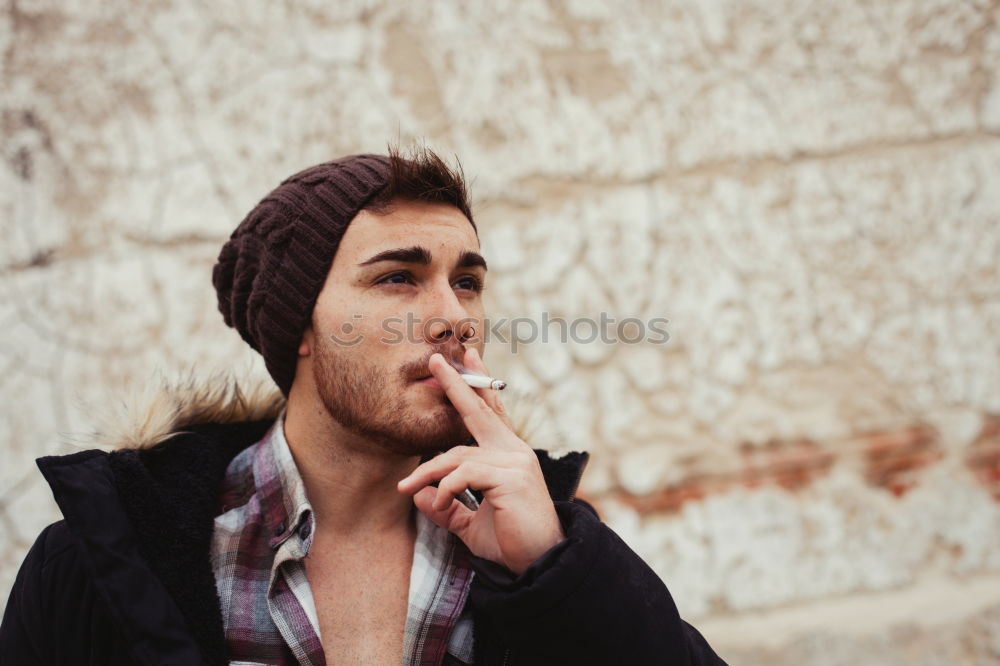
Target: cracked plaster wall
[{"x": 807, "y": 192}]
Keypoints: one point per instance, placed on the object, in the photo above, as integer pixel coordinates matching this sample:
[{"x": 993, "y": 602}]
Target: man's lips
[
  {"x": 428, "y": 378},
  {"x": 430, "y": 381}
]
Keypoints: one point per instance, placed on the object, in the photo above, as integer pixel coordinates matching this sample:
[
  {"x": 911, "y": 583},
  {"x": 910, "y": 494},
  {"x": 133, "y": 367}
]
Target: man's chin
[
  {"x": 416, "y": 422},
  {"x": 429, "y": 433}
]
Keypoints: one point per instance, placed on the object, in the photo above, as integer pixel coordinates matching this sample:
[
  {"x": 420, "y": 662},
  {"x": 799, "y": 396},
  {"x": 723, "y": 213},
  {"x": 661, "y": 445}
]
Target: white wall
[{"x": 807, "y": 191}]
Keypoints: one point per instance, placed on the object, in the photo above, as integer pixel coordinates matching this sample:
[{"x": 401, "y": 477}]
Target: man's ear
[{"x": 306, "y": 344}]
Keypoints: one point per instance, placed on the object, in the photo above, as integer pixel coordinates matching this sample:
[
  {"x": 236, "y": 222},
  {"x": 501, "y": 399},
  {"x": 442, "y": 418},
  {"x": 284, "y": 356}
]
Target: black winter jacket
[{"x": 125, "y": 577}]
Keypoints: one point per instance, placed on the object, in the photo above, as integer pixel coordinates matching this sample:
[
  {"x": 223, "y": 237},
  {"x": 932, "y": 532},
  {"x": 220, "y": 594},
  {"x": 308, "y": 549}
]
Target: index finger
[
  {"x": 474, "y": 361},
  {"x": 484, "y": 423}
]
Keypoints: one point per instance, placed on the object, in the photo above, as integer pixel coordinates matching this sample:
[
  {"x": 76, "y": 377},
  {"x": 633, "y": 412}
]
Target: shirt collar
[{"x": 280, "y": 488}]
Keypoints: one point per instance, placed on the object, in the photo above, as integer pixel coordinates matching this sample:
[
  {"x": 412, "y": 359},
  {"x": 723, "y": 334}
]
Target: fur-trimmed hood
[{"x": 143, "y": 416}]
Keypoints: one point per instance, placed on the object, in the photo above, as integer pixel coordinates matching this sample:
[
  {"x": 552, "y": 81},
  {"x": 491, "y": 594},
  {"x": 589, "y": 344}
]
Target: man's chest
[{"x": 361, "y": 604}]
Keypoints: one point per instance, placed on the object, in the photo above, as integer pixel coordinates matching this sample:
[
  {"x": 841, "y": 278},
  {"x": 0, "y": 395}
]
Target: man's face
[{"x": 402, "y": 286}]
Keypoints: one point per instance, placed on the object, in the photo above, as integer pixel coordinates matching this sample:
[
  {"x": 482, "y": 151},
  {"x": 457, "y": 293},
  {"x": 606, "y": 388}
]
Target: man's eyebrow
[
  {"x": 468, "y": 259},
  {"x": 409, "y": 255},
  {"x": 420, "y": 255}
]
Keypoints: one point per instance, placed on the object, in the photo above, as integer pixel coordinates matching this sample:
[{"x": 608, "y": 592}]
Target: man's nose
[{"x": 447, "y": 317}]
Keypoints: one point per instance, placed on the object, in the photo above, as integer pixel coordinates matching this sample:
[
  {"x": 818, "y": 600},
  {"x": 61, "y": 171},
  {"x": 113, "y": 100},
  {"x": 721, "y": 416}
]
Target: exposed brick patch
[
  {"x": 790, "y": 464},
  {"x": 894, "y": 458},
  {"x": 983, "y": 456},
  {"x": 892, "y": 461},
  {"x": 672, "y": 498}
]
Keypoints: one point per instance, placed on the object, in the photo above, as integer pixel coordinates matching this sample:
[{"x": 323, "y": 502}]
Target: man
[{"x": 322, "y": 525}]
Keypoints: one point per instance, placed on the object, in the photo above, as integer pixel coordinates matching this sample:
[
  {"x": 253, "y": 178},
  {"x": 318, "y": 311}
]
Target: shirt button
[{"x": 279, "y": 530}]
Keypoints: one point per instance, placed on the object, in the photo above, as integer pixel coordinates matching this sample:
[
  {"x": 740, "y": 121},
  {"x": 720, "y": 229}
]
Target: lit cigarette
[{"x": 482, "y": 381}]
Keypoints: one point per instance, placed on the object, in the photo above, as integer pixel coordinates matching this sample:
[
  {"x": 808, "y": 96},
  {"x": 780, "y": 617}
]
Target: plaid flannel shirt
[{"x": 258, "y": 545}]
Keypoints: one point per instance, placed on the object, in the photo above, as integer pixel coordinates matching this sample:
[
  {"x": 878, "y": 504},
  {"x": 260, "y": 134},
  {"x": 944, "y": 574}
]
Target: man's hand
[{"x": 517, "y": 521}]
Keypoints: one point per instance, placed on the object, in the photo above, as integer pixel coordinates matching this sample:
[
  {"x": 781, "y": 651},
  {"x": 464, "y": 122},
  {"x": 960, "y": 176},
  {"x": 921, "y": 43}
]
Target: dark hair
[{"x": 422, "y": 176}]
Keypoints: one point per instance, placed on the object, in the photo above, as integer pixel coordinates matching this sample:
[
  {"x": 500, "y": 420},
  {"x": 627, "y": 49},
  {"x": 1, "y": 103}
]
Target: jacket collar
[
  {"x": 170, "y": 447},
  {"x": 144, "y": 520}
]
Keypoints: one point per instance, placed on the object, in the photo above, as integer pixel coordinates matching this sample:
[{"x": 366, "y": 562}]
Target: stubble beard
[{"x": 362, "y": 398}]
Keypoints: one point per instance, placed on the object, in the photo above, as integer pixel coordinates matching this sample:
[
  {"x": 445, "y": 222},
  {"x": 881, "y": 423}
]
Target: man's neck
[{"x": 350, "y": 482}]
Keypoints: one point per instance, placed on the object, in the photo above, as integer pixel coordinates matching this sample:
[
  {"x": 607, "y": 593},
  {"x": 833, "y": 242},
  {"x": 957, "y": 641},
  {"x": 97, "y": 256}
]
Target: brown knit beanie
[{"x": 275, "y": 263}]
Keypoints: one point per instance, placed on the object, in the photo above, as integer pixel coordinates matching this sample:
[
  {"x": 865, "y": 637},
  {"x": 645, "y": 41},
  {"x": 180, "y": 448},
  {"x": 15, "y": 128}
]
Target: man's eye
[
  {"x": 470, "y": 282},
  {"x": 396, "y": 278}
]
